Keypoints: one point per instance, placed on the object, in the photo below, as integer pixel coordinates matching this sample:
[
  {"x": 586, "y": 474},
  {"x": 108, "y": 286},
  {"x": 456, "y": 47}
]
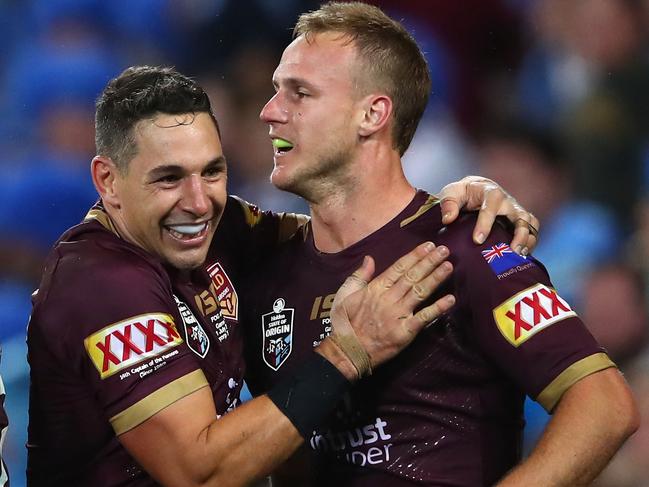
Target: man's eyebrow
[
  {"x": 165, "y": 169},
  {"x": 293, "y": 82},
  {"x": 219, "y": 161}
]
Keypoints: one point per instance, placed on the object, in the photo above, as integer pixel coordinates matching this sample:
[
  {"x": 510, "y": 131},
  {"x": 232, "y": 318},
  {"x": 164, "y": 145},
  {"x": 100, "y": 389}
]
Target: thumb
[
  {"x": 357, "y": 281},
  {"x": 365, "y": 272}
]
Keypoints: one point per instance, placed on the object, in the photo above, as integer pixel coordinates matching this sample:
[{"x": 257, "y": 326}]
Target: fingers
[
  {"x": 521, "y": 237},
  {"x": 421, "y": 279},
  {"x": 422, "y": 290},
  {"x": 526, "y": 233},
  {"x": 457, "y": 195},
  {"x": 492, "y": 202},
  {"x": 393, "y": 273},
  {"x": 427, "y": 315},
  {"x": 450, "y": 209}
]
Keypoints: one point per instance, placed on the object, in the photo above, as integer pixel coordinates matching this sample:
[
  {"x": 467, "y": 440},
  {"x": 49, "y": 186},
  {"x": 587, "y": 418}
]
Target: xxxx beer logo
[
  {"x": 530, "y": 311},
  {"x": 224, "y": 291},
  {"x": 123, "y": 344}
]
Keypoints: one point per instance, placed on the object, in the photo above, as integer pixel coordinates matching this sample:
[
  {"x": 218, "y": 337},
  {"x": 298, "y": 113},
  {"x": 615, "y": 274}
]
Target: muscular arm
[
  {"x": 591, "y": 422},
  {"x": 176, "y": 447}
]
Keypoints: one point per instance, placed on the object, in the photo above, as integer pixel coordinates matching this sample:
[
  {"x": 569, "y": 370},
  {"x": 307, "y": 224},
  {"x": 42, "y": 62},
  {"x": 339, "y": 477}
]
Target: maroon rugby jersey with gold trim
[
  {"x": 448, "y": 410},
  {"x": 114, "y": 337}
]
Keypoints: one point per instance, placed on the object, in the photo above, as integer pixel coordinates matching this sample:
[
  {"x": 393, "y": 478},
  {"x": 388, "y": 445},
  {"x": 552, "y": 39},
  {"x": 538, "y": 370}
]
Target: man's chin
[
  {"x": 284, "y": 181},
  {"x": 187, "y": 262}
]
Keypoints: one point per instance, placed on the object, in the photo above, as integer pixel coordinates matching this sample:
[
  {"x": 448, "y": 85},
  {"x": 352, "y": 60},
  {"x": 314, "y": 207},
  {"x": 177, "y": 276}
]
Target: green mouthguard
[{"x": 282, "y": 144}]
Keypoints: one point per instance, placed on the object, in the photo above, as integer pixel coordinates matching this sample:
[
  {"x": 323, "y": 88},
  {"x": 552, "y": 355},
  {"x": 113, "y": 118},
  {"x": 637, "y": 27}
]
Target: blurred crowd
[{"x": 548, "y": 97}]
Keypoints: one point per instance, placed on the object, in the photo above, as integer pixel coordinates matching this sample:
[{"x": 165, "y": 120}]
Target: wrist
[
  {"x": 332, "y": 352},
  {"x": 307, "y": 397}
]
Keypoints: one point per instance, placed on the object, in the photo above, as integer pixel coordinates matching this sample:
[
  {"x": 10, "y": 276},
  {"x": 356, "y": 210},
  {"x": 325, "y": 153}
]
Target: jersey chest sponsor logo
[
  {"x": 123, "y": 344},
  {"x": 224, "y": 291},
  {"x": 197, "y": 339},
  {"x": 362, "y": 445},
  {"x": 277, "y": 329},
  {"x": 530, "y": 311}
]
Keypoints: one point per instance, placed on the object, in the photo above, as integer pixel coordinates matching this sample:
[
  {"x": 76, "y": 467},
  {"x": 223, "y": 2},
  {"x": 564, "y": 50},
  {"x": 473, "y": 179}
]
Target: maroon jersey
[
  {"x": 115, "y": 337},
  {"x": 448, "y": 410}
]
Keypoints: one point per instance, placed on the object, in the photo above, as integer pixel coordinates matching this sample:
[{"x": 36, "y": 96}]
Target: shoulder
[
  {"x": 240, "y": 212},
  {"x": 491, "y": 269},
  {"x": 95, "y": 279},
  {"x": 100, "y": 261}
]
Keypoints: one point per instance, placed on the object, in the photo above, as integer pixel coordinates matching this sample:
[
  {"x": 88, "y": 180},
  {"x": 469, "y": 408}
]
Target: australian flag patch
[{"x": 501, "y": 258}]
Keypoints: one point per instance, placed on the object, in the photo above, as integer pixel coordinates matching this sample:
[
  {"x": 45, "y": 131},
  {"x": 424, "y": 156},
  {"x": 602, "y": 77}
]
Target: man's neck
[{"x": 347, "y": 216}]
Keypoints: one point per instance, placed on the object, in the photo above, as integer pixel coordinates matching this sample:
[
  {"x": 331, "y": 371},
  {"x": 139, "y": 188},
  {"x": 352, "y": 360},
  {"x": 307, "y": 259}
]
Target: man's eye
[
  {"x": 168, "y": 179},
  {"x": 213, "y": 172},
  {"x": 301, "y": 94}
]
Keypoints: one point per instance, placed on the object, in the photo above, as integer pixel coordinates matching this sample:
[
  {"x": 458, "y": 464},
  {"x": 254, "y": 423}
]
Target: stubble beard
[{"x": 326, "y": 176}]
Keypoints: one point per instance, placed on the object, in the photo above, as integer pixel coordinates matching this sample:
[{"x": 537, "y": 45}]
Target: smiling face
[
  {"x": 172, "y": 195},
  {"x": 316, "y": 109}
]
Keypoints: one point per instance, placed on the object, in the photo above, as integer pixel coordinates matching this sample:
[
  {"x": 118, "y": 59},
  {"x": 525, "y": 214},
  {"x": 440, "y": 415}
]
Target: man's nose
[
  {"x": 195, "y": 199},
  {"x": 273, "y": 111}
]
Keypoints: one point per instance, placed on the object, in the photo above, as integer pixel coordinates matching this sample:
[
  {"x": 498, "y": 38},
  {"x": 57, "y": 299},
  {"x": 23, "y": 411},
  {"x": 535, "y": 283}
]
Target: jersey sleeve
[
  {"x": 519, "y": 319},
  {"x": 248, "y": 232},
  {"x": 118, "y": 334}
]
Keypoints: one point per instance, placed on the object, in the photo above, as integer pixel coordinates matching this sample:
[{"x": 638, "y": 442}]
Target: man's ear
[
  {"x": 377, "y": 111},
  {"x": 105, "y": 176}
]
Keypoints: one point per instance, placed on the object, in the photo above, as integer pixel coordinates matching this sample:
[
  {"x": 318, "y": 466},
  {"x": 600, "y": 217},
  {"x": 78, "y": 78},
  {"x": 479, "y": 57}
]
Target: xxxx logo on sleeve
[
  {"x": 123, "y": 344},
  {"x": 530, "y": 311}
]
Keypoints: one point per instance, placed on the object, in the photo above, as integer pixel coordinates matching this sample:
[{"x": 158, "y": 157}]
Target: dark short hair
[
  {"x": 389, "y": 59},
  {"x": 141, "y": 92}
]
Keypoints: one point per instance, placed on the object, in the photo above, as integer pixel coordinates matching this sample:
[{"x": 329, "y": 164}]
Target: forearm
[
  {"x": 185, "y": 445},
  {"x": 591, "y": 422},
  {"x": 248, "y": 445},
  {"x": 231, "y": 451}
]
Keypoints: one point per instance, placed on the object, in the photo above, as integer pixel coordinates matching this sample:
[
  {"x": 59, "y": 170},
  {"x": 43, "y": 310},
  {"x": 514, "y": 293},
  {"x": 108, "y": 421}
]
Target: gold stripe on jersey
[
  {"x": 102, "y": 217},
  {"x": 430, "y": 202},
  {"x": 289, "y": 224},
  {"x": 251, "y": 212},
  {"x": 157, "y": 401},
  {"x": 549, "y": 397}
]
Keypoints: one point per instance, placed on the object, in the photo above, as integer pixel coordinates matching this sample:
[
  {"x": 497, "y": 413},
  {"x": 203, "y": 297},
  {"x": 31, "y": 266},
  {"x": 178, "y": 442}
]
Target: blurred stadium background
[{"x": 548, "y": 97}]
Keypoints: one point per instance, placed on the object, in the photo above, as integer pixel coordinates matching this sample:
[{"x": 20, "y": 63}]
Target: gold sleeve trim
[
  {"x": 549, "y": 397},
  {"x": 289, "y": 224},
  {"x": 157, "y": 401},
  {"x": 251, "y": 213},
  {"x": 430, "y": 202},
  {"x": 103, "y": 218}
]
